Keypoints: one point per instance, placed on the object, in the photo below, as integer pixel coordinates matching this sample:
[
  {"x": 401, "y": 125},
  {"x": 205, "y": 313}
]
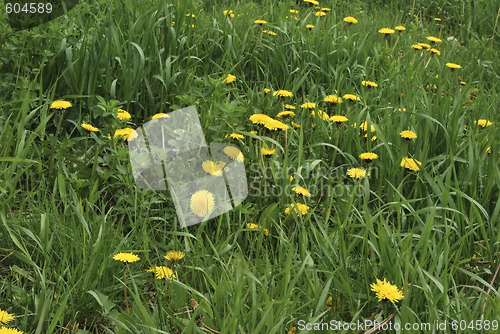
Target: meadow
[{"x": 369, "y": 135}]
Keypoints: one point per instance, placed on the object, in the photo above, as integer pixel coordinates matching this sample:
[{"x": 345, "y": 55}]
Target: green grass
[{"x": 68, "y": 202}]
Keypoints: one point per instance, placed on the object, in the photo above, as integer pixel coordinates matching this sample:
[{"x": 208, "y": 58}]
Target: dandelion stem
[{"x": 125, "y": 287}]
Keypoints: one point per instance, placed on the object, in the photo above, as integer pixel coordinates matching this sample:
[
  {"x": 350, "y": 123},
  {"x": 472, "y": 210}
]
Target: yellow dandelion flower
[
  {"x": 425, "y": 46},
  {"x": 162, "y": 272},
  {"x": 411, "y": 164},
  {"x": 301, "y": 191},
  {"x": 351, "y": 97},
  {"x": 202, "y": 202},
  {"x": 123, "y": 115},
  {"x": 321, "y": 114},
  {"x": 212, "y": 168},
  {"x": 253, "y": 226},
  {"x": 296, "y": 125},
  {"x": 309, "y": 105},
  {"x": 417, "y": 46},
  {"x": 289, "y": 107},
  {"x": 356, "y": 173},
  {"x": 369, "y": 156},
  {"x": 282, "y": 93},
  {"x": 160, "y": 115},
  {"x": 407, "y": 134},
  {"x": 312, "y": 2},
  {"x": 260, "y": 22},
  {"x": 299, "y": 207},
  {"x": 124, "y": 133},
  {"x": 369, "y": 84},
  {"x": 483, "y": 123},
  {"x": 309, "y": 26},
  {"x": 320, "y": 13},
  {"x": 266, "y": 151},
  {"x": 294, "y": 11},
  {"x": 364, "y": 127},
  {"x": 325, "y": 9},
  {"x": 234, "y": 153},
  {"x": 386, "y": 290},
  {"x": 60, "y": 105},
  {"x": 437, "y": 19},
  {"x": 433, "y": 39},
  {"x": 126, "y": 257},
  {"x": 5, "y": 317},
  {"x": 230, "y": 78},
  {"x": 89, "y": 127},
  {"x": 285, "y": 114},
  {"x": 453, "y": 66},
  {"x": 435, "y": 51},
  {"x": 350, "y": 19},
  {"x": 174, "y": 256},
  {"x": 400, "y": 28},
  {"x": 338, "y": 119},
  {"x": 7, "y": 330},
  {"x": 386, "y": 31},
  {"x": 266, "y": 90},
  {"x": 236, "y": 136},
  {"x": 334, "y": 99}
]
